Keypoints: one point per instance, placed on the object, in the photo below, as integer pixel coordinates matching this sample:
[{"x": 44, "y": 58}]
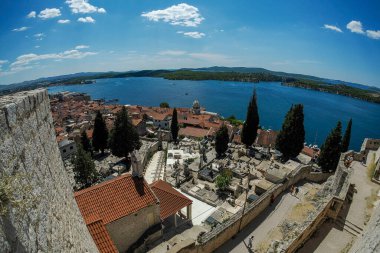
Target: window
[
  {"x": 64, "y": 151},
  {"x": 71, "y": 147}
]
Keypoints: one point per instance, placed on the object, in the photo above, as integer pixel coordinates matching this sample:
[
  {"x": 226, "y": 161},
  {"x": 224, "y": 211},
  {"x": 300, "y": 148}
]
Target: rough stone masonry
[{"x": 38, "y": 212}]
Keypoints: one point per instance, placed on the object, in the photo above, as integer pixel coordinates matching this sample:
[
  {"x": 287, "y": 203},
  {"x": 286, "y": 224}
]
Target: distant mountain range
[{"x": 77, "y": 77}]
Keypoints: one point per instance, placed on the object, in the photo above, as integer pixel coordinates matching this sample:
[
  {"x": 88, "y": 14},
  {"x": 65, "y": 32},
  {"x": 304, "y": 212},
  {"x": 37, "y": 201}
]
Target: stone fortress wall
[{"x": 38, "y": 212}]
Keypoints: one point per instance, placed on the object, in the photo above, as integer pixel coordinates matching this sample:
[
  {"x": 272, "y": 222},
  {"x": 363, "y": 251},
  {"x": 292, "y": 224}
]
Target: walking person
[
  {"x": 250, "y": 240},
  {"x": 297, "y": 190},
  {"x": 292, "y": 189}
]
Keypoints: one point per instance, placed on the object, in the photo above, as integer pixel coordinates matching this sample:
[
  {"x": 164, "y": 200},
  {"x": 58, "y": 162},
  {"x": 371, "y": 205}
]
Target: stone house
[
  {"x": 140, "y": 126},
  {"x": 67, "y": 148},
  {"x": 369, "y": 145},
  {"x": 124, "y": 209}
]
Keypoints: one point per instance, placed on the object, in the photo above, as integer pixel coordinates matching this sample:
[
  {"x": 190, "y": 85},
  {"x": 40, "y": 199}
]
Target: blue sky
[{"x": 332, "y": 39}]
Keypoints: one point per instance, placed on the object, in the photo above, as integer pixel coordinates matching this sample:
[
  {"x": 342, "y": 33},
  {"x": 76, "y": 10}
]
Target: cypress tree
[
  {"x": 221, "y": 140},
  {"x": 100, "y": 134},
  {"x": 251, "y": 124},
  {"x": 330, "y": 151},
  {"x": 85, "y": 141},
  {"x": 347, "y": 137},
  {"x": 124, "y": 137},
  {"x": 174, "y": 125},
  {"x": 291, "y": 138},
  {"x": 85, "y": 173}
]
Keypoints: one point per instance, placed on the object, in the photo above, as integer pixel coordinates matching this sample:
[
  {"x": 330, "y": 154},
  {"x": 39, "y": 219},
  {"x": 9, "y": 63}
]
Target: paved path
[
  {"x": 331, "y": 237},
  {"x": 200, "y": 210},
  {"x": 262, "y": 225},
  {"x": 155, "y": 168}
]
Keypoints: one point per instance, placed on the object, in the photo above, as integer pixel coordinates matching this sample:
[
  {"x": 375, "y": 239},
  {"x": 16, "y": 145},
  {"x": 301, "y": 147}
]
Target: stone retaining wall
[
  {"x": 221, "y": 234},
  {"x": 39, "y": 213}
]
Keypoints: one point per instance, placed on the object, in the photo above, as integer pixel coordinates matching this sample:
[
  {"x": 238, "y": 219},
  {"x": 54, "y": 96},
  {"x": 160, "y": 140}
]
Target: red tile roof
[
  {"x": 171, "y": 201},
  {"x": 116, "y": 198},
  {"x": 136, "y": 122},
  {"x": 194, "y": 132},
  {"x": 100, "y": 235},
  {"x": 309, "y": 151},
  {"x": 266, "y": 138}
]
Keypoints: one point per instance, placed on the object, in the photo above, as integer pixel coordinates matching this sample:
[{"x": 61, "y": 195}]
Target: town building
[
  {"x": 124, "y": 209},
  {"x": 67, "y": 148}
]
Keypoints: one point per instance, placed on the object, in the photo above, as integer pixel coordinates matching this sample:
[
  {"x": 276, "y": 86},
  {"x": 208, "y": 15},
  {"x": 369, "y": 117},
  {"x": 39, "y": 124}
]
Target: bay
[{"x": 322, "y": 110}]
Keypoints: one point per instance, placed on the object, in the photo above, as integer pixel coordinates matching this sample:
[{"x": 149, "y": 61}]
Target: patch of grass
[{"x": 347, "y": 248}]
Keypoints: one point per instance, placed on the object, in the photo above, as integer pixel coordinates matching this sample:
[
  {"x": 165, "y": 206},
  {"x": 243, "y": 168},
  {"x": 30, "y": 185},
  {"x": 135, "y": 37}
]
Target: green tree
[
  {"x": 291, "y": 138},
  {"x": 221, "y": 140},
  {"x": 85, "y": 142},
  {"x": 164, "y": 105},
  {"x": 347, "y": 137},
  {"x": 251, "y": 124},
  {"x": 174, "y": 125},
  {"x": 85, "y": 173},
  {"x": 124, "y": 137},
  {"x": 100, "y": 134},
  {"x": 330, "y": 151},
  {"x": 223, "y": 180}
]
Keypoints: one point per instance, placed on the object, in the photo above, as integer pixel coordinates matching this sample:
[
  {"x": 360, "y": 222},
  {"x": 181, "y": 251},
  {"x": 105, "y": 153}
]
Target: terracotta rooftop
[
  {"x": 114, "y": 199},
  {"x": 193, "y": 132},
  {"x": 100, "y": 235},
  {"x": 171, "y": 201},
  {"x": 266, "y": 138},
  {"x": 135, "y": 122},
  {"x": 309, "y": 151}
]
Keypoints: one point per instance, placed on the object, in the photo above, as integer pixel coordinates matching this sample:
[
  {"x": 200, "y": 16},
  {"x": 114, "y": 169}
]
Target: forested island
[{"x": 257, "y": 75}]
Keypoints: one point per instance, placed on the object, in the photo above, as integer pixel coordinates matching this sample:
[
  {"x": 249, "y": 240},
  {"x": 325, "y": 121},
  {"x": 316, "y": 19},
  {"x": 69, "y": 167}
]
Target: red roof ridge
[
  {"x": 94, "y": 187},
  {"x": 159, "y": 184}
]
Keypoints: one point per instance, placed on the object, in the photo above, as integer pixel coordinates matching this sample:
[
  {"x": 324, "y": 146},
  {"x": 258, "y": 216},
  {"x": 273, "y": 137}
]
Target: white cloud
[
  {"x": 195, "y": 35},
  {"x": 39, "y": 36},
  {"x": 102, "y": 10},
  {"x": 49, "y": 13},
  {"x": 37, "y": 46},
  {"x": 209, "y": 57},
  {"x": 26, "y": 61},
  {"x": 355, "y": 27},
  {"x": 181, "y": 14},
  {"x": 86, "y": 20},
  {"x": 31, "y": 14},
  {"x": 21, "y": 29},
  {"x": 2, "y": 62},
  {"x": 64, "y": 21},
  {"x": 373, "y": 34},
  {"x": 83, "y": 6},
  {"x": 333, "y": 27},
  {"x": 1, "y": 67},
  {"x": 172, "y": 52},
  {"x": 82, "y": 47}
]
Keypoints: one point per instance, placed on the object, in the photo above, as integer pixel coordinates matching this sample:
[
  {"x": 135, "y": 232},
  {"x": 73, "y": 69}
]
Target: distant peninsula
[{"x": 237, "y": 74}]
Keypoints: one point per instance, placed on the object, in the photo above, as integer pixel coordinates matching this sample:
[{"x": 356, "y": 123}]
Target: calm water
[{"x": 322, "y": 110}]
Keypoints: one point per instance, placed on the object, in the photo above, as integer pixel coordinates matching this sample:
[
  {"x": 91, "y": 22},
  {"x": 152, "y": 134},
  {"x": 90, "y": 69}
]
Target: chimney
[{"x": 137, "y": 168}]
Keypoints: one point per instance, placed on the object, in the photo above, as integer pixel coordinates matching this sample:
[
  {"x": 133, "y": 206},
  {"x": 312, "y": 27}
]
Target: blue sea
[{"x": 322, "y": 110}]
